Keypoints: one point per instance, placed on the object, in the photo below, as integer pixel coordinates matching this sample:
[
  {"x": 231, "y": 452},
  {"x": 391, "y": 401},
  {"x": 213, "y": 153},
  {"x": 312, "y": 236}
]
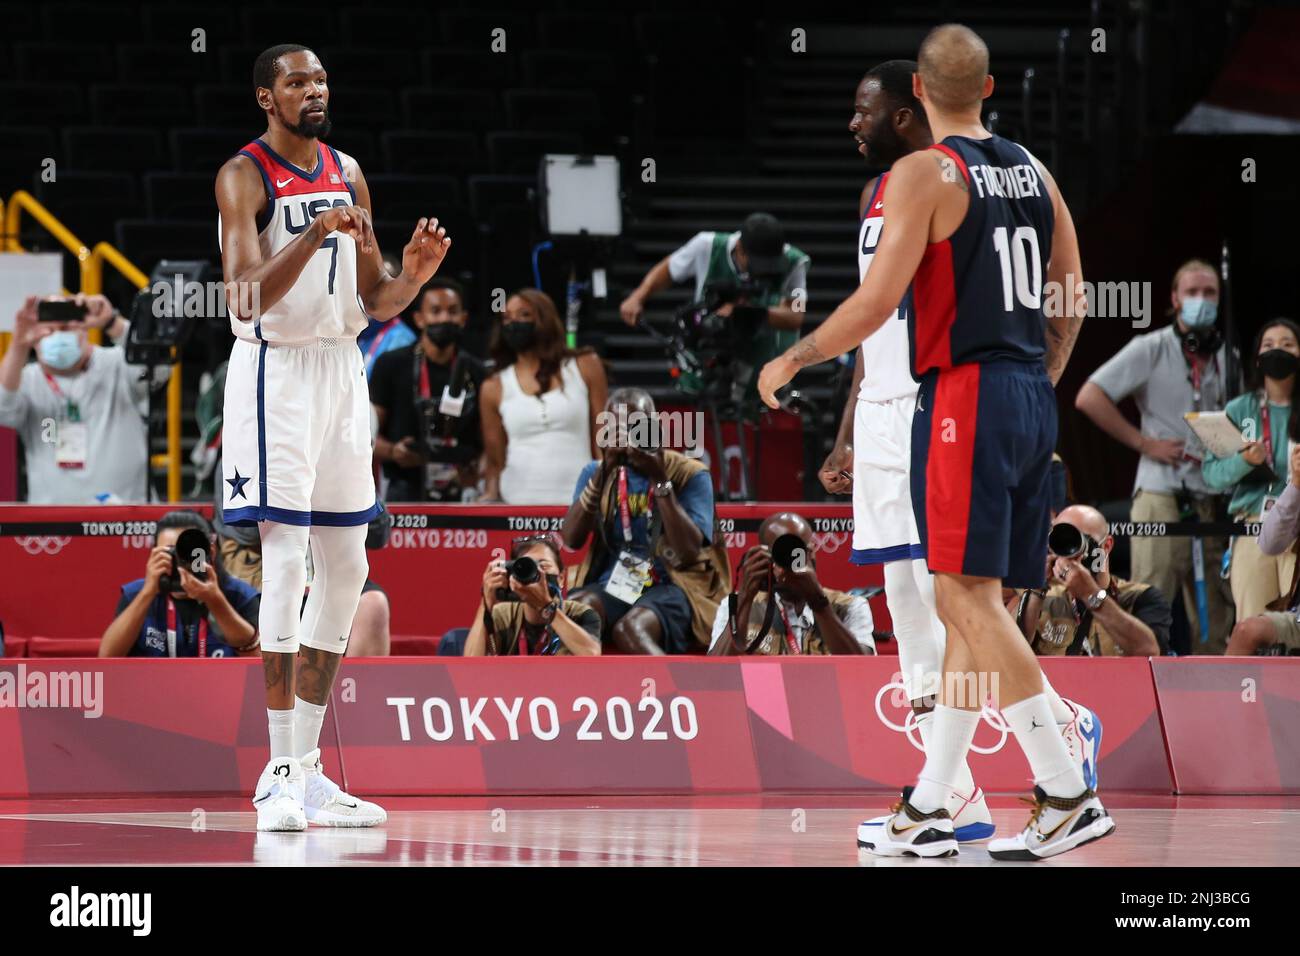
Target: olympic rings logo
[
  {"x": 991, "y": 716},
  {"x": 42, "y": 544},
  {"x": 829, "y": 543}
]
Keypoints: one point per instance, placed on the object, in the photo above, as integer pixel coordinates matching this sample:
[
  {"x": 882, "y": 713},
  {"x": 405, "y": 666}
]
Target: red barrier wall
[
  {"x": 606, "y": 725},
  {"x": 1232, "y": 725},
  {"x": 62, "y": 567}
]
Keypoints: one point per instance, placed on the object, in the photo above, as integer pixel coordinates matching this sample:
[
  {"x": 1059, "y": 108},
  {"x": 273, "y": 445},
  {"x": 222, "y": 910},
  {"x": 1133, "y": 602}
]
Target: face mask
[
  {"x": 443, "y": 334},
  {"x": 1198, "y": 313},
  {"x": 1278, "y": 363},
  {"x": 520, "y": 336},
  {"x": 60, "y": 350}
]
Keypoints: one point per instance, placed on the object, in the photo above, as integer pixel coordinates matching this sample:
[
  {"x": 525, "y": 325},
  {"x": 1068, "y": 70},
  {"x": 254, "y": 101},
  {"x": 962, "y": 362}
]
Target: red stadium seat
[
  {"x": 413, "y": 645},
  {"x": 63, "y": 647}
]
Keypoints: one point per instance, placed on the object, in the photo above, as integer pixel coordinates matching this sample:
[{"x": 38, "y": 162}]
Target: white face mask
[{"x": 60, "y": 350}]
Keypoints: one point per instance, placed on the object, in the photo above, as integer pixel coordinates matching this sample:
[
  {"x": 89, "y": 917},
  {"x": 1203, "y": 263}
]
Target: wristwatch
[
  {"x": 663, "y": 489},
  {"x": 1096, "y": 600}
]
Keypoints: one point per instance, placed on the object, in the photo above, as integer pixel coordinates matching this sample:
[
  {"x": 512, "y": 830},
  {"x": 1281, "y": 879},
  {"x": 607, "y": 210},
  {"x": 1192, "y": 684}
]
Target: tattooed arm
[
  {"x": 914, "y": 193},
  {"x": 1065, "y": 313}
]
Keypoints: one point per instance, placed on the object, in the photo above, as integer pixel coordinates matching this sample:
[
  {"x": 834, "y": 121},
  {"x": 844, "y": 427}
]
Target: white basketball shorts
[
  {"x": 296, "y": 435},
  {"x": 884, "y": 527}
]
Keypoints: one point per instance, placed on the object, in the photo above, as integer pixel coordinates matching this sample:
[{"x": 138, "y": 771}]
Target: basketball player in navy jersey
[
  {"x": 974, "y": 224},
  {"x": 303, "y": 274},
  {"x": 876, "y": 433}
]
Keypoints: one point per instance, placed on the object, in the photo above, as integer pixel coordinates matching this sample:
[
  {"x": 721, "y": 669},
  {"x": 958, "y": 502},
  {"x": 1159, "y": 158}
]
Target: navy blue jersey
[{"x": 977, "y": 296}]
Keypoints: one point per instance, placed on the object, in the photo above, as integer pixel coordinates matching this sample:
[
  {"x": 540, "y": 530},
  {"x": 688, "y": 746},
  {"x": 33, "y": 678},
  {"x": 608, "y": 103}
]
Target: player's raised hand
[
  {"x": 426, "y": 250},
  {"x": 351, "y": 221}
]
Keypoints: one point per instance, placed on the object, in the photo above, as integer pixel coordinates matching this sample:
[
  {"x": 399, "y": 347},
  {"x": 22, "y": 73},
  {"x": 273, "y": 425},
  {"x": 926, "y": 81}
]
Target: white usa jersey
[
  {"x": 323, "y": 302},
  {"x": 886, "y": 359}
]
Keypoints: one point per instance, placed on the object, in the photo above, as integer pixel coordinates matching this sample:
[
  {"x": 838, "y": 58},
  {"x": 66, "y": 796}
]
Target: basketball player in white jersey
[
  {"x": 303, "y": 273},
  {"x": 888, "y": 123}
]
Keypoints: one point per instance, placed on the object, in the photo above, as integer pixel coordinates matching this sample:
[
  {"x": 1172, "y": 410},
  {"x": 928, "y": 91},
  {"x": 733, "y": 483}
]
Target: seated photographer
[
  {"x": 425, "y": 396},
  {"x": 1276, "y": 631},
  {"x": 79, "y": 408},
  {"x": 1084, "y": 609},
  {"x": 657, "y": 567},
  {"x": 768, "y": 273},
  {"x": 805, "y": 618},
  {"x": 522, "y": 600},
  {"x": 185, "y": 605}
]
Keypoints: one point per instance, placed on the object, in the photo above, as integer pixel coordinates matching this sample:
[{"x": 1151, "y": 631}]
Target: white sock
[
  {"x": 951, "y": 731},
  {"x": 1061, "y": 711},
  {"x": 965, "y": 783},
  {"x": 308, "y": 719},
  {"x": 1048, "y": 757},
  {"x": 280, "y": 724}
]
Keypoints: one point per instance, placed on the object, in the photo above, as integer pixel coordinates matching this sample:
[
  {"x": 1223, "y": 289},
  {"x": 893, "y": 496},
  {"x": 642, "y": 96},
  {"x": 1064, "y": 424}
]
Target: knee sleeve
[
  {"x": 339, "y": 558},
  {"x": 284, "y": 576},
  {"x": 910, "y": 596}
]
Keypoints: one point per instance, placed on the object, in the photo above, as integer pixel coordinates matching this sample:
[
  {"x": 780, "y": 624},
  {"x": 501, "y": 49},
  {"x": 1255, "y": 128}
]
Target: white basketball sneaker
[
  {"x": 1057, "y": 824},
  {"x": 971, "y": 819},
  {"x": 327, "y": 805},
  {"x": 279, "y": 796},
  {"x": 1082, "y": 737},
  {"x": 909, "y": 832}
]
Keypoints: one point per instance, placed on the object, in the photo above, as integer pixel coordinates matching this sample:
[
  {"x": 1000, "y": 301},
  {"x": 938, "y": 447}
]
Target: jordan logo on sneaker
[{"x": 1033, "y": 724}]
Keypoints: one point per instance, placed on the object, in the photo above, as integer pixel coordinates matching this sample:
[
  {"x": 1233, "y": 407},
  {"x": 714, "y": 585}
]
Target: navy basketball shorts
[{"x": 982, "y": 444}]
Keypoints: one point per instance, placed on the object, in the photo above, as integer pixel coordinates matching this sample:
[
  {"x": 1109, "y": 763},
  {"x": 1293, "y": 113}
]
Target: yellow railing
[{"x": 91, "y": 264}]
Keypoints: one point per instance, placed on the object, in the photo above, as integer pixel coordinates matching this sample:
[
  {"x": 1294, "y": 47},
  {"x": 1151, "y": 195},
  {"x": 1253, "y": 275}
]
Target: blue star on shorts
[{"x": 237, "y": 486}]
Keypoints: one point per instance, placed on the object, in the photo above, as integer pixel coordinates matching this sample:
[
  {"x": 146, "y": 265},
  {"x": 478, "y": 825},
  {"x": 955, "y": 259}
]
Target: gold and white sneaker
[
  {"x": 909, "y": 832},
  {"x": 1056, "y": 825},
  {"x": 326, "y": 803}
]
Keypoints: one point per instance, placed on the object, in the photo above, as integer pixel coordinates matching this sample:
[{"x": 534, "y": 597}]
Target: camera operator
[
  {"x": 757, "y": 253},
  {"x": 657, "y": 567},
  {"x": 807, "y": 618},
  {"x": 1086, "y": 610},
  {"x": 79, "y": 408},
  {"x": 185, "y": 605},
  {"x": 523, "y": 600},
  {"x": 426, "y": 399}
]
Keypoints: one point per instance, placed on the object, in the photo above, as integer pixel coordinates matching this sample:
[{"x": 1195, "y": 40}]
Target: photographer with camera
[
  {"x": 1084, "y": 609},
  {"x": 79, "y": 408},
  {"x": 425, "y": 396},
  {"x": 657, "y": 566},
  {"x": 804, "y": 618},
  {"x": 752, "y": 268},
  {"x": 185, "y": 605},
  {"x": 524, "y": 604}
]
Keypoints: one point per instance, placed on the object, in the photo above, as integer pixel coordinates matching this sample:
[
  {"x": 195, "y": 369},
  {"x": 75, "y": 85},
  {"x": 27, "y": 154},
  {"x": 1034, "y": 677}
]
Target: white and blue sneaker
[
  {"x": 1082, "y": 738},
  {"x": 971, "y": 820},
  {"x": 908, "y": 831},
  {"x": 1056, "y": 825}
]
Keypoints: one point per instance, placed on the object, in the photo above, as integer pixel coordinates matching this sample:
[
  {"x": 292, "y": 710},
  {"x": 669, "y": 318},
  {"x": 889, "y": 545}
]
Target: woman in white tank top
[{"x": 539, "y": 409}]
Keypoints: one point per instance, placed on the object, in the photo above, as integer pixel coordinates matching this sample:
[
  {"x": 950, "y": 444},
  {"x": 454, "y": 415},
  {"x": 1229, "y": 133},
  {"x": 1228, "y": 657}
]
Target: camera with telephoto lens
[
  {"x": 192, "y": 547},
  {"x": 1067, "y": 541},
  {"x": 789, "y": 549},
  {"x": 524, "y": 570}
]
